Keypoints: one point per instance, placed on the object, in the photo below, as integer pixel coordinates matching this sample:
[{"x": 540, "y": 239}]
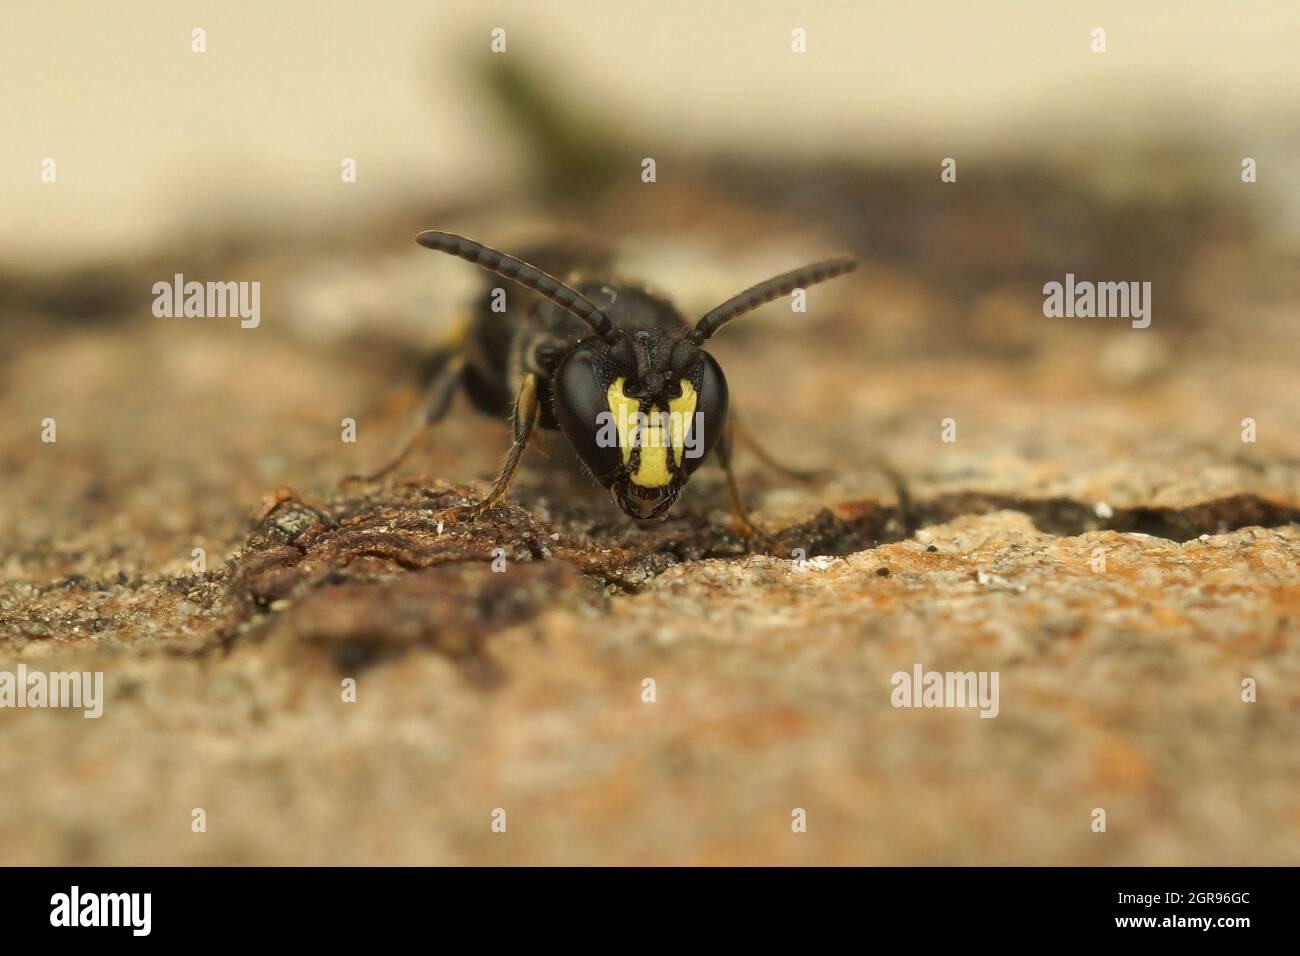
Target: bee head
[{"x": 642, "y": 409}]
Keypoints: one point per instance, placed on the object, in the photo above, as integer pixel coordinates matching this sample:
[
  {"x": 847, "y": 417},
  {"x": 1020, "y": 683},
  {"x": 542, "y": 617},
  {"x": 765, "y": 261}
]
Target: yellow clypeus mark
[
  {"x": 652, "y": 468},
  {"x": 624, "y": 410},
  {"x": 681, "y": 417}
]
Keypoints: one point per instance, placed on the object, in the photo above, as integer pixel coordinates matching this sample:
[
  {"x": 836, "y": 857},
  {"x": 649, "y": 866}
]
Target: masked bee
[{"x": 619, "y": 371}]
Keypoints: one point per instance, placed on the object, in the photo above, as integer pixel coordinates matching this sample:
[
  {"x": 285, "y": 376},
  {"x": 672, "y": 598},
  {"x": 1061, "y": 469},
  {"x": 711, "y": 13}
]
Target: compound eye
[
  {"x": 710, "y": 412},
  {"x": 584, "y": 415}
]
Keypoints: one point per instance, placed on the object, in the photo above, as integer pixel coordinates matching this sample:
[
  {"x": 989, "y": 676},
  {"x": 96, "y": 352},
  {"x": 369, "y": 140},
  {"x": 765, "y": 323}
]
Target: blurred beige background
[{"x": 148, "y": 135}]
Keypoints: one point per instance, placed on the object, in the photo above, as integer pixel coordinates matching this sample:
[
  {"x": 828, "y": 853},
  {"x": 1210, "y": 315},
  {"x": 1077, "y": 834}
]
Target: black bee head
[{"x": 642, "y": 408}]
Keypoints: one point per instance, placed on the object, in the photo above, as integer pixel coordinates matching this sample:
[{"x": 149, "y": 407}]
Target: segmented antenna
[
  {"x": 529, "y": 276},
  {"x": 765, "y": 292}
]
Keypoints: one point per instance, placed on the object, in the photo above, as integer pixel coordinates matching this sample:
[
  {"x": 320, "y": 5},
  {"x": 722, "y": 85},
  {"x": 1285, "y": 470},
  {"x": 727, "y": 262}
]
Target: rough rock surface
[{"x": 523, "y": 688}]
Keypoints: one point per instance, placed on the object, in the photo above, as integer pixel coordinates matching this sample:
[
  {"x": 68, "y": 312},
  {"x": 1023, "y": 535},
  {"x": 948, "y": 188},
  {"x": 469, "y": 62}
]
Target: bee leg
[
  {"x": 747, "y": 526},
  {"x": 745, "y": 437},
  {"x": 433, "y": 407},
  {"x": 906, "y": 511},
  {"x": 527, "y": 411}
]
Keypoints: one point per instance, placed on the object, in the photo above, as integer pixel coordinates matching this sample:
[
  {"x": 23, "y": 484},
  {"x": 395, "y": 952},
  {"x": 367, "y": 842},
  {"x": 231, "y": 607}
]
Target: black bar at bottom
[{"x": 333, "y": 906}]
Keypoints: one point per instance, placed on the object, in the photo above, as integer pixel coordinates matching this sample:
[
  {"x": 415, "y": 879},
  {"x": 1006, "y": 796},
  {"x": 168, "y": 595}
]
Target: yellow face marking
[
  {"x": 652, "y": 468},
  {"x": 681, "y": 416},
  {"x": 624, "y": 410}
]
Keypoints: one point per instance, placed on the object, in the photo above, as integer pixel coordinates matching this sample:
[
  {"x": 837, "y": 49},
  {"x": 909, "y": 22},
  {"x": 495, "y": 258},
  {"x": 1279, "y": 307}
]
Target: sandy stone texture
[{"x": 1098, "y": 535}]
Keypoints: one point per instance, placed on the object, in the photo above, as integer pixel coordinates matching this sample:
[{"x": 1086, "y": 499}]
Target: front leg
[
  {"x": 747, "y": 526},
  {"x": 906, "y": 511},
  {"x": 744, "y": 436},
  {"x": 433, "y": 407},
  {"x": 523, "y": 422}
]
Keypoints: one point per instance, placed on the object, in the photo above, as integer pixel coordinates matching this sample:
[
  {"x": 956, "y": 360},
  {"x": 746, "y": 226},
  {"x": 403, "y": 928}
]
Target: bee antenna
[
  {"x": 765, "y": 292},
  {"x": 529, "y": 276}
]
